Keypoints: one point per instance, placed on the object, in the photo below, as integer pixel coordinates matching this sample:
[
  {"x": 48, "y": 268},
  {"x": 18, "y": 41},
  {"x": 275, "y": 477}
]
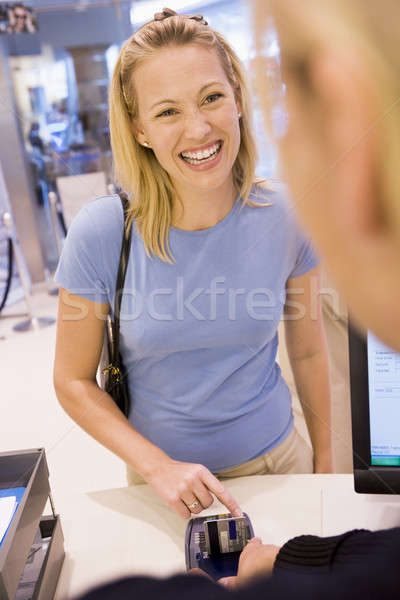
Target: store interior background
[{"x": 54, "y": 124}]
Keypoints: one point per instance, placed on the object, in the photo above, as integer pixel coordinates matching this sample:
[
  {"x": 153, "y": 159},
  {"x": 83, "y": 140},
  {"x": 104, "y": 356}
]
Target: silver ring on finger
[{"x": 195, "y": 503}]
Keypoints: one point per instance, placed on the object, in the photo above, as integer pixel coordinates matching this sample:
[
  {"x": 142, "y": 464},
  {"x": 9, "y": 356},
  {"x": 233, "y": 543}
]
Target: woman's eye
[
  {"x": 212, "y": 98},
  {"x": 167, "y": 113}
]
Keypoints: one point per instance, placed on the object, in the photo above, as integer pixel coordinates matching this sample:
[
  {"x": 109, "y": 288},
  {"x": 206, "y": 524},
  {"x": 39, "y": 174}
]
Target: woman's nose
[{"x": 197, "y": 125}]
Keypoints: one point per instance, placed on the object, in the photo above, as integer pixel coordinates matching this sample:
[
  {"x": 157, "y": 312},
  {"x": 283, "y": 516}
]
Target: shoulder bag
[{"x": 112, "y": 372}]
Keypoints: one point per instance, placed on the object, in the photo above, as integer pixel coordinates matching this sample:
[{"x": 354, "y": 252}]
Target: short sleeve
[
  {"x": 89, "y": 259},
  {"x": 302, "y": 256},
  {"x": 307, "y": 257}
]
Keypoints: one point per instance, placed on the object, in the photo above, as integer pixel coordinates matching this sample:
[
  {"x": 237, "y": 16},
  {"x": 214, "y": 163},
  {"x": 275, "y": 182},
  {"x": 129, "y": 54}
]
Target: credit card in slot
[{"x": 224, "y": 534}]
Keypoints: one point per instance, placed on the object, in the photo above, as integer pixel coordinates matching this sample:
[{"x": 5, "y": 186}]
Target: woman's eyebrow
[{"x": 166, "y": 101}]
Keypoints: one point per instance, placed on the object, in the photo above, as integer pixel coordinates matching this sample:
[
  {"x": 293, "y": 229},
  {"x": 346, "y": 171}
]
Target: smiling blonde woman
[{"x": 217, "y": 260}]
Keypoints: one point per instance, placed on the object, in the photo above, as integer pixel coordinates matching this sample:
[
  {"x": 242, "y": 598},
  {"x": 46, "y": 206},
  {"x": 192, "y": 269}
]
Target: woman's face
[{"x": 188, "y": 114}]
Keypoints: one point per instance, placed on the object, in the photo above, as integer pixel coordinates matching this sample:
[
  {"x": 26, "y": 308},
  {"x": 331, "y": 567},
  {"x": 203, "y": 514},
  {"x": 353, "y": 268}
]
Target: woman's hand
[
  {"x": 187, "y": 488},
  {"x": 256, "y": 560}
]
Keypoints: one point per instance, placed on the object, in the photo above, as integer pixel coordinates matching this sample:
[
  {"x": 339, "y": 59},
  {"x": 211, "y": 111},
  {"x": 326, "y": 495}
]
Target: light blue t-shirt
[{"x": 199, "y": 336}]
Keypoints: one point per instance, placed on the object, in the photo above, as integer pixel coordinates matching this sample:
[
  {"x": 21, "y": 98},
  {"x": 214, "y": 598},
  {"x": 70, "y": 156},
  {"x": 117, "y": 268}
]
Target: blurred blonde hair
[
  {"x": 136, "y": 168},
  {"x": 368, "y": 30}
]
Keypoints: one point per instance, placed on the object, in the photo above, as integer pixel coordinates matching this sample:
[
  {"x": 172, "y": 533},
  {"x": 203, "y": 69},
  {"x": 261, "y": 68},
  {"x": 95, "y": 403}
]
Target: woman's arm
[
  {"x": 307, "y": 353},
  {"x": 80, "y": 331}
]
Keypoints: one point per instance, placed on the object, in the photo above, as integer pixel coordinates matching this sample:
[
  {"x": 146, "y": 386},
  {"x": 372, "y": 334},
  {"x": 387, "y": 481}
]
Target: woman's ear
[
  {"x": 239, "y": 109},
  {"x": 349, "y": 130},
  {"x": 138, "y": 132}
]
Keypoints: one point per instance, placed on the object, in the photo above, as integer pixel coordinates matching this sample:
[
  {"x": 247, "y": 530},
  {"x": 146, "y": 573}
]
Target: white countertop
[{"x": 127, "y": 531}]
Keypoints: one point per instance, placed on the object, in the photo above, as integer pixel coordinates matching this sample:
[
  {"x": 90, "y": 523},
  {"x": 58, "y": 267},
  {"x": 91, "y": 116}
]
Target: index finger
[{"x": 217, "y": 488}]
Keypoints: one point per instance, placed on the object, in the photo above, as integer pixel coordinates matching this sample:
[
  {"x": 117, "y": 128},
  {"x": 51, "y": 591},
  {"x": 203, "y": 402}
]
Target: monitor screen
[{"x": 375, "y": 407}]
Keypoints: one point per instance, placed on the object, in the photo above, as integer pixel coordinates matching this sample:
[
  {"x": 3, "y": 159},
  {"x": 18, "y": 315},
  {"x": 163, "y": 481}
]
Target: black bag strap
[{"x": 123, "y": 262}]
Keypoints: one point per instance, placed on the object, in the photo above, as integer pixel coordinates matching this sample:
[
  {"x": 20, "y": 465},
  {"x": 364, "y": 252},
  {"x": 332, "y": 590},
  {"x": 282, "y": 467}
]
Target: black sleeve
[{"x": 341, "y": 553}]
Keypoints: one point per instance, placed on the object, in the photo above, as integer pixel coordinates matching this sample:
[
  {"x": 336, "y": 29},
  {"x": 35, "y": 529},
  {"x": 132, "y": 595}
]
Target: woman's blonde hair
[
  {"x": 136, "y": 169},
  {"x": 366, "y": 29}
]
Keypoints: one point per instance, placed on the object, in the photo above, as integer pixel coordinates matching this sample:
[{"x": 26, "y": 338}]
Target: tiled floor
[{"x": 30, "y": 415}]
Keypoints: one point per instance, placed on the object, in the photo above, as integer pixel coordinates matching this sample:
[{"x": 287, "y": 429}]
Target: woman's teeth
[{"x": 202, "y": 156}]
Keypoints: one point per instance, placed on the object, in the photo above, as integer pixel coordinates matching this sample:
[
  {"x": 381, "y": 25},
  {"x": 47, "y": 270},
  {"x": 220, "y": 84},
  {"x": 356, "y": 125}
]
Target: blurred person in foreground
[{"x": 341, "y": 155}]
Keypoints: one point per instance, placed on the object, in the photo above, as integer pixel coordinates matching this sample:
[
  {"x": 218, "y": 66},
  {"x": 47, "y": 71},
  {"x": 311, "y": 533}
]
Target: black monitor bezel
[{"x": 368, "y": 479}]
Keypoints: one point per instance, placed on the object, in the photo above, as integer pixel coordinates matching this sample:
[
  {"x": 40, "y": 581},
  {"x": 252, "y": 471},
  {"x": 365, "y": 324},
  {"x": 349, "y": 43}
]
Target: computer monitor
[{"x": 375, "y": 413}]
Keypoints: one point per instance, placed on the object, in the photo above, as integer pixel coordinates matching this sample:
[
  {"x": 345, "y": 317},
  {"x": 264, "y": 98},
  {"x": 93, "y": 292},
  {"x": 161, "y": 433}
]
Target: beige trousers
[{"x": 293, "y": 455}]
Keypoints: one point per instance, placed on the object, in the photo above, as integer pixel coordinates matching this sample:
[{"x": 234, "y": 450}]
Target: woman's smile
[{"x": 205, "y": 157}]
